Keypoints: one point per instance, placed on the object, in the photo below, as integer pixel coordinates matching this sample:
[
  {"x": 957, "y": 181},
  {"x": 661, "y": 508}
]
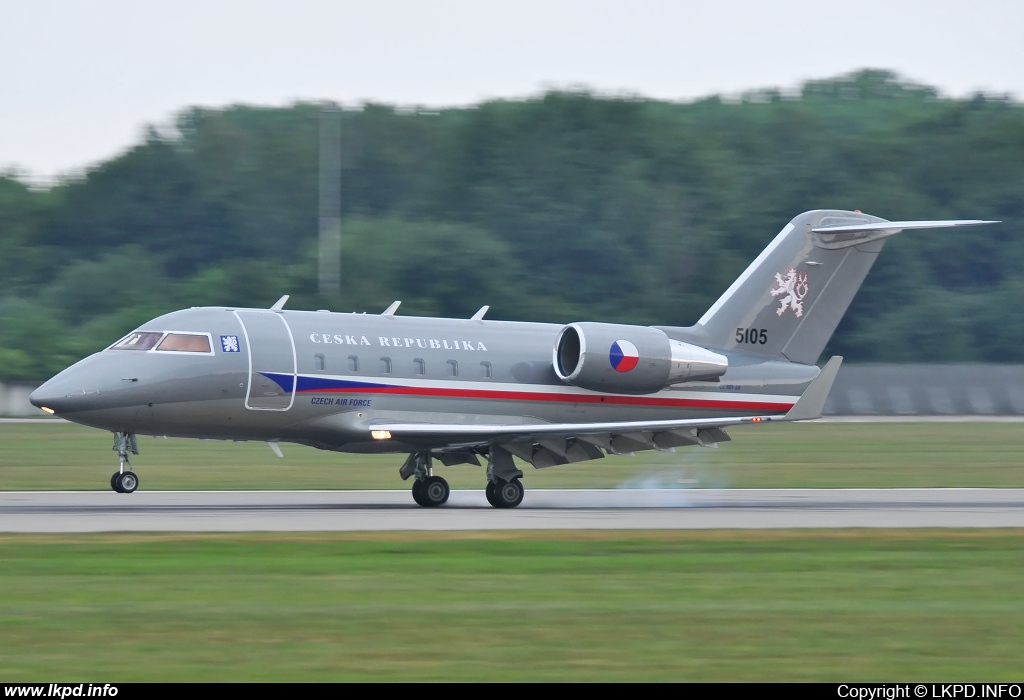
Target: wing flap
[{"x": 551, "y": 444}]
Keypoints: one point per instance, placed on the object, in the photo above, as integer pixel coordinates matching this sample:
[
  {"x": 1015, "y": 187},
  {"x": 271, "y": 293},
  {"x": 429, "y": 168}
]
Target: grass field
[
  {"x": 848, "y": 605},
  {"x": 61, "y": 456}
]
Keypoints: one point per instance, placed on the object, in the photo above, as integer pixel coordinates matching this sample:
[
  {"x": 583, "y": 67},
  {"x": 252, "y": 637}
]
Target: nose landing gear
[{"x": 125, "y": 481}]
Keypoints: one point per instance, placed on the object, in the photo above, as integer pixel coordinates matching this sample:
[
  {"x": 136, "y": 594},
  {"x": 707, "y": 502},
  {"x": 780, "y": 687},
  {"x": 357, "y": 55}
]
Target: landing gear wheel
[
  {"x": 434, "y": 492},
  {"x": 126, "y": 482},
  {"x": 489, "y": 492},
  {"x": 508, "y": 494},
  {"x": 417, "y": 493}
]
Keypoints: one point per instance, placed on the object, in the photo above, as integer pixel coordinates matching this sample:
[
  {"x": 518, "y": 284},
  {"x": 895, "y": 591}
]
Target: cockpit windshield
[
  {"x": 139, "y": 340},
  {"x": 185, "y": 342},
  {"x": 165, "y": 342}
]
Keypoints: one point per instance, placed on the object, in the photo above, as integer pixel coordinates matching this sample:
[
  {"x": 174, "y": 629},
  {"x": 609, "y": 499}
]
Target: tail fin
[{"x": 788, "y": 302}]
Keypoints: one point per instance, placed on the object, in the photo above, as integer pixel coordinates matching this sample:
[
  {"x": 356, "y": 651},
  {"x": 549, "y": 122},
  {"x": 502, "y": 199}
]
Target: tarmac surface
[{"x": 542, "y": 509}]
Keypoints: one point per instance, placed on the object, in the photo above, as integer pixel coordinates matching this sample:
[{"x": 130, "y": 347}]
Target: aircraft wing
[
  {"x": 502, "y": 432},
  {"x": 547, "y": 444},
  {"x": 495, "y": 431}
]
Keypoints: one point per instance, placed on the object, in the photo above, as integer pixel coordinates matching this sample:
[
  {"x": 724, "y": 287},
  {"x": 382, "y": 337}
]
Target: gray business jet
[{"x": 457, "y": 390}]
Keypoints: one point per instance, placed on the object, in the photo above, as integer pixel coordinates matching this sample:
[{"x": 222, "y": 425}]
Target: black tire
[
  {"x": 417, "y": 493},
  {"x": 127, "y": 482},
  {"x": 435, "y": 491},
  {"x": 113, "y": 481},
  {"x": 490, "y": 493},
  {"x": 509, "y": 494}
]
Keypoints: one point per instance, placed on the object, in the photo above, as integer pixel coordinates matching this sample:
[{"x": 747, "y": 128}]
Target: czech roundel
[{"x": 623, "y": 356}]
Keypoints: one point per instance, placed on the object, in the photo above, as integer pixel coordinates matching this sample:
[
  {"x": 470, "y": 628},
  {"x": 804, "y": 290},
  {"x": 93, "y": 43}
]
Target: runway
[{"x": 542, "y": 509}]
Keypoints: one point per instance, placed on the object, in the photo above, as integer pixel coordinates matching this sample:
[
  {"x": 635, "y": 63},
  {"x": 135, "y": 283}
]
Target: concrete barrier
[
  {"x": 927, "y": 390},
  {"x": 14, "y": 399}
]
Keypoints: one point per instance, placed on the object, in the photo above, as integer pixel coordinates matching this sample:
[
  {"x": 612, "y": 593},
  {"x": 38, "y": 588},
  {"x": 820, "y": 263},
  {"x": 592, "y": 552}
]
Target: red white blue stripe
[{"x": 429, "y": 389}]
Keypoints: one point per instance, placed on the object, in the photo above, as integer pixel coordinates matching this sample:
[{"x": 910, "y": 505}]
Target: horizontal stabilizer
[
  {"x": 845, "y": 234},
  {"x": 812, "y": 401},
  {"x": 899, "y": 225}
]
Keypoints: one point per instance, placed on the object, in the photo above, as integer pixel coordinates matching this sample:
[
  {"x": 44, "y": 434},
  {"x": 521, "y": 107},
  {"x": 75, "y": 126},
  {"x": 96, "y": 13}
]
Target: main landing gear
[
  {"x": 124, "y": 481},
  {"x": 504, "y": 485},
  {"x": 505, "y": 494},
  {"x": 504, "y": 488},
  {"x": 428, "y": 490}
]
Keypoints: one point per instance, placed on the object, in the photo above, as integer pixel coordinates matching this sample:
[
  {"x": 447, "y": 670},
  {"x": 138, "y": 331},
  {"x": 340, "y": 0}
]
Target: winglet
[{"x": 812, "y": 401}]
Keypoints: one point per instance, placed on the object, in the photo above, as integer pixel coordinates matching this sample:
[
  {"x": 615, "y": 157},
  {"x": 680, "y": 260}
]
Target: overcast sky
[{"x": 82, "y": 79}]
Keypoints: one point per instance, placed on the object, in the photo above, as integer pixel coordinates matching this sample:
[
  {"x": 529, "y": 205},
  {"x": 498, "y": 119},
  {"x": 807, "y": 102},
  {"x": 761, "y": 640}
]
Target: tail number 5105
[{"x": 752, "y": 336}]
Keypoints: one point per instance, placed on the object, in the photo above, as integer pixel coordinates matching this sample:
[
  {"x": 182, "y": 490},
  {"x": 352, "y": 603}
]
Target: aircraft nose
[
  {"x": 74, "y": 389},
  {"x": 50, "y": 398},
  {"x": 99, "y": 391},
  {"x": 38, "y": 397}
]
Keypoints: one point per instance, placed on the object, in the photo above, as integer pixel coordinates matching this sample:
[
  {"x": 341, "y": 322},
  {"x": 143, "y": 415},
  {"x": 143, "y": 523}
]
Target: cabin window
[
  {"x": 319, "y": 362},
  {"x": 485, "y": 370},
  {"x": 419, "y": 366},
  {"x": 138, "y": 340},
  {"x": 453, "y": 368},
  {"x": 185, "y": 342},
  {"x": 353, "y": 363},
  {"x": 385, "y": 365}
]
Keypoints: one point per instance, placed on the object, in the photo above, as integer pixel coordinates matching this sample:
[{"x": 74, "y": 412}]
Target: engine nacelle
[{"x": 630, "y": 359}]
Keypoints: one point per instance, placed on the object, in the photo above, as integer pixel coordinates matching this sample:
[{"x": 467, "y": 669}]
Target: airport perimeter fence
[{"x": 860, "y": 390}]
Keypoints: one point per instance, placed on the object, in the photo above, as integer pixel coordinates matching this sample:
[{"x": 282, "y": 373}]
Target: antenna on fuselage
[
  {"x": 479, "y": 315},
  {"x": 279, "y": 304},
  {"x": 390, "y": 311}
]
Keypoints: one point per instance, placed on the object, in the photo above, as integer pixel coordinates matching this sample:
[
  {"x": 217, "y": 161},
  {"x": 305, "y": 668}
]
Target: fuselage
[{"x": 320, "y": 378}]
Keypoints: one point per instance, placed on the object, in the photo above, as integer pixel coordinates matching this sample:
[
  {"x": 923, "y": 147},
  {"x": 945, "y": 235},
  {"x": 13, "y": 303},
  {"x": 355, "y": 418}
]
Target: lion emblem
[{"x": 794, "y": 286}]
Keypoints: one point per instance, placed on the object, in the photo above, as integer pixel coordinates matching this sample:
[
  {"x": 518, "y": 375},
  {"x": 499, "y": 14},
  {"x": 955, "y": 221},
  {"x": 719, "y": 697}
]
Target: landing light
[
  {"x": 47, "y": 409},
  {"x": 380, "y": 434}
]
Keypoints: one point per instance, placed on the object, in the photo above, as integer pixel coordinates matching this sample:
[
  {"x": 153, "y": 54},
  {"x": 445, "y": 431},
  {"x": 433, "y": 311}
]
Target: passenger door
[{"x": 272, "y": 364}]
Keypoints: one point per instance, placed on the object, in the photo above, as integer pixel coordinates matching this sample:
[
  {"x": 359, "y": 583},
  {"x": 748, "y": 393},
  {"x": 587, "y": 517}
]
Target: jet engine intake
[{"x": 630, "y": 359}]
